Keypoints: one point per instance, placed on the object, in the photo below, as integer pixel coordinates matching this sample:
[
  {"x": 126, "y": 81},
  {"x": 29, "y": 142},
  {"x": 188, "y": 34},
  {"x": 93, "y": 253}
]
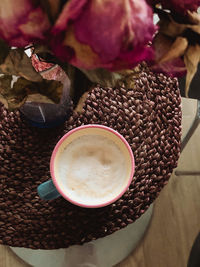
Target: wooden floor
[{"x": 176, "y": 219}]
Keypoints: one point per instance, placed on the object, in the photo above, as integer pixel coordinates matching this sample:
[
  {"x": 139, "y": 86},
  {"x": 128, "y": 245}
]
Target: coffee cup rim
[{"x": 52, "y": 168}]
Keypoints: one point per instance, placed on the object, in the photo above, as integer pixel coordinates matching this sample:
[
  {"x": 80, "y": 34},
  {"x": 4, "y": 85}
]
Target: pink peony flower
[
  {"x": 104, "y": 34},
  {"x": 22, "y": 22}
]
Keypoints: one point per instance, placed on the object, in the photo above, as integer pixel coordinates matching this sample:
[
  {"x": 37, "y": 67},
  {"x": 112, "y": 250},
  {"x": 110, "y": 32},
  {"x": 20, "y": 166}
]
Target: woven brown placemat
[{"x": 149, "y": 117}]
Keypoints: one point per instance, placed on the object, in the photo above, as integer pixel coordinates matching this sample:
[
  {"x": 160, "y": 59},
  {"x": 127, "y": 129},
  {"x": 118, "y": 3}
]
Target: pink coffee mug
[{"x": 56, "y": 187}]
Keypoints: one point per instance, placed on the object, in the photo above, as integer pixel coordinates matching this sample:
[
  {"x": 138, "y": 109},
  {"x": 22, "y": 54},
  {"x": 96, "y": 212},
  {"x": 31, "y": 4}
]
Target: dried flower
[
  {"x": 104, "y": 34},
  {"x": 22, "y": 22}
]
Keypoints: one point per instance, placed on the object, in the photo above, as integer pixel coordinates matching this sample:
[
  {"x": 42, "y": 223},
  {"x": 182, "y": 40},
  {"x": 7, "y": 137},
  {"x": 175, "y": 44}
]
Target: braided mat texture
[{"x": 149, "y": 117}]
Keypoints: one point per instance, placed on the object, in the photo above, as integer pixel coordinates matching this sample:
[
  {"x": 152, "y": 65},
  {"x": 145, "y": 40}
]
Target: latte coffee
[{"x": 92, "y": 168}]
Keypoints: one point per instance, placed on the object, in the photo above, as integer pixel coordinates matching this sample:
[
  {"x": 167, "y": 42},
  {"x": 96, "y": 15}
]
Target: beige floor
[{"x": 176, "y": 218}]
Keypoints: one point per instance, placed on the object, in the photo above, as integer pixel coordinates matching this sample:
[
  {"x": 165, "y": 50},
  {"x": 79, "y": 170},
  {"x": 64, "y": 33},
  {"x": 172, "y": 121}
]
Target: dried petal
[
  {"x": 191, "y": 59},
  {"x": 15, "y": 95},
  {"x": 19, "y": 64},
  {"x": 169, "y": 27},
  {"x": 176, "y": 50},
  {"x": 22, "y": 22},
  {"x": 193, "y": 17},
  {"x": 79, "y": 107},
  {"x": 173, "y": 67}
]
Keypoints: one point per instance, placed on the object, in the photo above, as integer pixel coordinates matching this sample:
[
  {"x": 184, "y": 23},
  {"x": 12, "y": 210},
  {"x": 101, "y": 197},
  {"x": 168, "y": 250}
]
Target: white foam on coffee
[{"x": 92, "y": 169}]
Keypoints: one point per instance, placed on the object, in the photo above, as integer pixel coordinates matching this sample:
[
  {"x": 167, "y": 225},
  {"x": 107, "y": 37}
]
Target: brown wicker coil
[{"x": 149, "y": 117}]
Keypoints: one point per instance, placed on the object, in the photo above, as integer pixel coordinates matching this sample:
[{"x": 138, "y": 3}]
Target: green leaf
[{"x": 19, "y": 64}]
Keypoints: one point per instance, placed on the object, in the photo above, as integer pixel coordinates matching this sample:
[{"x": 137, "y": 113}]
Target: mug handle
[{"x": 48, "y": 191}]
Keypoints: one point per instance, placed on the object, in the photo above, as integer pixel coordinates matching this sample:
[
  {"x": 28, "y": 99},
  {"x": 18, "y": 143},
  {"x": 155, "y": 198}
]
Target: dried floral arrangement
[{"x": 94, "y": 41}]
